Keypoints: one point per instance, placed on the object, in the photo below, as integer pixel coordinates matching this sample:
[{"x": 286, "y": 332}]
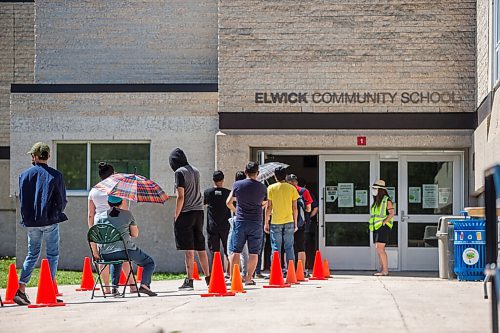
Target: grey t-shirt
[
  {"x": 188, "y": 177},
  {"x": 122, "y": 222}
]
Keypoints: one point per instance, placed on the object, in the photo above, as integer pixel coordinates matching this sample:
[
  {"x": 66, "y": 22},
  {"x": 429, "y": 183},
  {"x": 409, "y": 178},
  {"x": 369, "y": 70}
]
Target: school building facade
[{"x": 345, "y": 93}]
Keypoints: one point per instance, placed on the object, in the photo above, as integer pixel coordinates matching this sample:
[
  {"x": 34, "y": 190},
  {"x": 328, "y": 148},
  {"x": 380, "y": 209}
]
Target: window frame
[
  {"x": 495, "y": 44},
  {"x": 79, "y": 193}
]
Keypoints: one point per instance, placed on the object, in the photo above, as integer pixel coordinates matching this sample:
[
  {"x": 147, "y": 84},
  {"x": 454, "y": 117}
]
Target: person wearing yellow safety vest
[{"x": 381, "y": 221}]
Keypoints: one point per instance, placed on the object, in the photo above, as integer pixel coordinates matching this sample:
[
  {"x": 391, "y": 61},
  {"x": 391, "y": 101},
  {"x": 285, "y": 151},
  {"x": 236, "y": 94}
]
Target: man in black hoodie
[{"x": 188, "y": 221}]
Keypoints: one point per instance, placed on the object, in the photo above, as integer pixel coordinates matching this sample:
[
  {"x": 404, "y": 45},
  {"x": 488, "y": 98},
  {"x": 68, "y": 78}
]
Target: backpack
[{"x": 301, "y": 207}]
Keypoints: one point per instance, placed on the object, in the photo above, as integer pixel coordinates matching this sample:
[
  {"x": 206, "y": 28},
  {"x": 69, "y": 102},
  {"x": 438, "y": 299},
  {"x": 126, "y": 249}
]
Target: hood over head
[{"x": 177, "y": 159}]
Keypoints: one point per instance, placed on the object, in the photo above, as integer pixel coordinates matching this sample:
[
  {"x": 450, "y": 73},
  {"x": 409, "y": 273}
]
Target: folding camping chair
[{"x": 107, "y": 234}]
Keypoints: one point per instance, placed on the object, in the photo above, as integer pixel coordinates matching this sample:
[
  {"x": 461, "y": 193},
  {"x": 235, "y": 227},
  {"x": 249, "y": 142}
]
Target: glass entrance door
[
  {"x": 433, "y": 189},
  {"x": 346, "y": 240},
  {"x": 422, "y": 188}
]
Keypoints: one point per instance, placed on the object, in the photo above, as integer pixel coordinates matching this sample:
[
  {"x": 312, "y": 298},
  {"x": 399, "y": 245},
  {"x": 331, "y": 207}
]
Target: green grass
[{"x": 66, "y": 277}]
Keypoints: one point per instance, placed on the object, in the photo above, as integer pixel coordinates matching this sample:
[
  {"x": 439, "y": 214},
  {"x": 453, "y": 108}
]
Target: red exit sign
[{"x": 361, "y": 140}]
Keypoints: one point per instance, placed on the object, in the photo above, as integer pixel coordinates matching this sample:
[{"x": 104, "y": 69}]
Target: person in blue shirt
[{"x": 42, "y": 197}]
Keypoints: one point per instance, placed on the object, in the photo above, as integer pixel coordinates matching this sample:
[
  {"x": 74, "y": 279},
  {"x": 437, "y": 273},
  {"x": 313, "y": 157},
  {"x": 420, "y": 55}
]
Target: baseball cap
[
  {"x": 39, "y": 148},
  {"x": 114, "y": 200},
  {"x": 218, "y": 176},
  {"x": 291, "y": 177},
  {"x": 252, "y": 167}
]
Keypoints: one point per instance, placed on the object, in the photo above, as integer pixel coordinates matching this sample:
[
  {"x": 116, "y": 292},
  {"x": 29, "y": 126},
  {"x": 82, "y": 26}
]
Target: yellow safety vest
[{"x": 379, "y": 214}]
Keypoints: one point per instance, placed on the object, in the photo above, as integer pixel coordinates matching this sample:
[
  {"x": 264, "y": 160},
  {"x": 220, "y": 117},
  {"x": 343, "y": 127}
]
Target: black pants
[{"x": 215, "y": 236}]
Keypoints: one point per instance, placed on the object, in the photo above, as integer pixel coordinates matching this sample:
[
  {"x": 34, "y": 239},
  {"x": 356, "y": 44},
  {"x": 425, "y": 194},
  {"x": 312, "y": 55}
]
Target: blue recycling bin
[{"x": 470, "y": 248}]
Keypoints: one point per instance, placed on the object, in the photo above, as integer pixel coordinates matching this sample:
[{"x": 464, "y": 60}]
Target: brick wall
[
  {"x": 361, "y": 46},
  {"x": 17, "y": 54},
  {"x": 125, "y": 41}
]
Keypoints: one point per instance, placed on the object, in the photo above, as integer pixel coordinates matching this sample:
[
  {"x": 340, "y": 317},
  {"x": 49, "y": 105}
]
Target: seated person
[{"x": 124, "y": 222}]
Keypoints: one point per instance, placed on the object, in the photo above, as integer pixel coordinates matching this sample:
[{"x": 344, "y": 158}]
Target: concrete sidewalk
[{"x": 346, "y": 303}]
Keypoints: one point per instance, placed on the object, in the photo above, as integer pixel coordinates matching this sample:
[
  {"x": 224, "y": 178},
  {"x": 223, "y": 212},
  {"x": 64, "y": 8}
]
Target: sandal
[
  {"x": 250, "y": 283},
  {"x": 381, "y": 274}
]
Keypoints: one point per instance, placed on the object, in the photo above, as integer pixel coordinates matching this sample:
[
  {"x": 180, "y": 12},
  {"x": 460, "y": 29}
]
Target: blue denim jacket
[{"x": 42, "y": 196}]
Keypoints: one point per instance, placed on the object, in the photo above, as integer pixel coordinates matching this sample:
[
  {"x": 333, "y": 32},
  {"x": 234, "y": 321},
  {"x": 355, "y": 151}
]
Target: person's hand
[
  {"x": 96, "y": 256},
  {"x": 295, "y": 229},
  {"x": 266, "y": 228}
]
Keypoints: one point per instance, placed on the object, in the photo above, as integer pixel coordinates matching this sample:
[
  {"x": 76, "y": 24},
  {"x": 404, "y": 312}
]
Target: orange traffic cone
[
  {"x": 87, "y": 277},
  {"x": 12, "y": 285},
  {"x": 318, "y": 268},
  {"x": 196, "y": 274},
  {"x": 276, "y": 276},
  {"x": 56, "y": 289},
  {"x": 123, "y": 279},
  {"x": 46, "y": 295},
  {"x": 139, "y": 274},
  {"x": 236, "y": 283},
  {"x": 326, "y": 269},
  {"x": 217, "y": 285},
  {"x": 300, "y": 272},
  {"x": 290, "y": 275}
]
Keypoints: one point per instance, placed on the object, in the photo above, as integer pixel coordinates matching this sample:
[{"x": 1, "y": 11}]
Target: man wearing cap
[
  {"x": 304, "y": 209},
  {"x": 282, "y": 206},
  {"x": 218, "y": 214},
  {"x": 381, "y": 221},
  {"x": 42, "y": 197}
]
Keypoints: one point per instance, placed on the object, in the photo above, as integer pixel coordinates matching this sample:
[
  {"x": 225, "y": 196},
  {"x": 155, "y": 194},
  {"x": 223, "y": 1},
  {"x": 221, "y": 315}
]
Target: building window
[
  {"x": 496, "y": 42},
  {"x": 78, "y": 161}
]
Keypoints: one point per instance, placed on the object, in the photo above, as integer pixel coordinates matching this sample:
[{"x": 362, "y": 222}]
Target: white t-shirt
[{"x": 100, "y": 200}]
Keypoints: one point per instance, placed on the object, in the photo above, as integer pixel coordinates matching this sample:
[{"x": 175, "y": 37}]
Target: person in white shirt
[{"x": 98, "y": 204}]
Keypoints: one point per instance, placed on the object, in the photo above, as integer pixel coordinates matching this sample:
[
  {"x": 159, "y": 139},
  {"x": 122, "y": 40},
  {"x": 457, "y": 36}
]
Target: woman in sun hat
[{"x": 381, "y": 221}]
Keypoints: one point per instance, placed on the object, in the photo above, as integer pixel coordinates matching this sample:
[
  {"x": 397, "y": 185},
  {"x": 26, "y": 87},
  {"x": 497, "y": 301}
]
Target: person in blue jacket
[{"x": 42, "y": 198}]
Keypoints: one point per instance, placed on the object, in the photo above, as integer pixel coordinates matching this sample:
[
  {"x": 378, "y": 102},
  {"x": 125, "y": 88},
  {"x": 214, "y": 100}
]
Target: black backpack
[{"x": 301, "y": 207}]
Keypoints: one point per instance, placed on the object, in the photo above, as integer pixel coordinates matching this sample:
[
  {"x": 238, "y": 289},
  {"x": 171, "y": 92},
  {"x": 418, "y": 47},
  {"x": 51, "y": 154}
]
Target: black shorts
[
  {"x": 188, "y": 230},
  {"x": 215, "y": 236},
  {"x": 381, "y": 235},
  {"x": 299, "y": 242}
]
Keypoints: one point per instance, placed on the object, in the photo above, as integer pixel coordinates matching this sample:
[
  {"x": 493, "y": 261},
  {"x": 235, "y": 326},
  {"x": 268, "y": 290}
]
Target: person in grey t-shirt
[
  {"x": 124, "y": 222},
  {"x": 189, "y": 219}
]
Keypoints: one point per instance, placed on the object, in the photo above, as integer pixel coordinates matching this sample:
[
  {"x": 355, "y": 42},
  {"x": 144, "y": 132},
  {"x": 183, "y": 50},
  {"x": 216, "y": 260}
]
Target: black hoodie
[{"x": 187, "y": 177}]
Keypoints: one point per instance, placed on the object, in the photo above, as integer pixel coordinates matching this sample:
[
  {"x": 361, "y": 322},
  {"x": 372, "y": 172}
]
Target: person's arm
[
  {"x": 179, "y": 202},
  {"x": 295, "y": 214},
  {"x": 60, "y": 194},
  {"x": 230, "y": 202},
  {"x": 307, "y": 200},
  {"x": 205, "y": 198},
  {"x": 134, "y": 231},
  {"x": 91, "y": 213},
  {"x": 314, "y": 212},
  {"x": 390, "y": 209},
  {"x": 269, "y": 212}
]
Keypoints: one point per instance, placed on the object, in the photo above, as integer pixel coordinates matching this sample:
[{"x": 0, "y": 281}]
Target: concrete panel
[
  {"x": 156, "y": 236},
  {"x": 7, "y": 233},
  {"x": 167, "y": 120},
  {"x": 234, "y": 147}
]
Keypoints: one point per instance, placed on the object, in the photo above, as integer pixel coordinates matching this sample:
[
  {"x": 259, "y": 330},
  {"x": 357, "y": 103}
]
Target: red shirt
[{"x": 306, "y": 195}]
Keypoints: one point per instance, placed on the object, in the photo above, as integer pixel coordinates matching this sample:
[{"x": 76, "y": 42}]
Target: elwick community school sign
[{"x": 406, "y": 97}]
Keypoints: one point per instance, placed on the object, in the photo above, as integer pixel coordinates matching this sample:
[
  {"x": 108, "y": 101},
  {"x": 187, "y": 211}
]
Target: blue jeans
[
  {"x": 282, "y": 234},
  {"x": 139, "y": 257},
  {"x": 35, "y": 238}
]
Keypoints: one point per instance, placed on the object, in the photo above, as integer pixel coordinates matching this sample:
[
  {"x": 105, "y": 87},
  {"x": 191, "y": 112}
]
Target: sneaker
[
  {"x": 260, "y": 276},
  {"x": 147, "y": 291},
  {"x": 207, "y": 280},
  {"x": 187, "y": 285},
  {"x": 115, "y": 292},
  {"x": 21, "y": 298}
]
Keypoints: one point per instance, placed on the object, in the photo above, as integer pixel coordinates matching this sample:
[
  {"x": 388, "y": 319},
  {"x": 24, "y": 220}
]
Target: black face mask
[{"x": 33, "y": 163}]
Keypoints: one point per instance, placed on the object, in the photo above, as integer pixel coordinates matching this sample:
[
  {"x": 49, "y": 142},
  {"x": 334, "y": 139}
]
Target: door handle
[{"x": 404, "y": 218}]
